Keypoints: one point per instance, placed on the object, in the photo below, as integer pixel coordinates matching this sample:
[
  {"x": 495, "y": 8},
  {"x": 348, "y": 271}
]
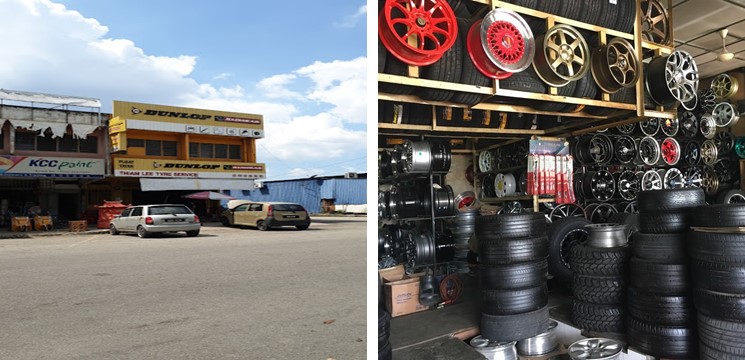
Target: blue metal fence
[{"x": 309, "y": 192}]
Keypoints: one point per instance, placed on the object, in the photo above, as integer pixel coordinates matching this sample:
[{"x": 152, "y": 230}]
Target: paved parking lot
[{"x": 227, "y": 294}]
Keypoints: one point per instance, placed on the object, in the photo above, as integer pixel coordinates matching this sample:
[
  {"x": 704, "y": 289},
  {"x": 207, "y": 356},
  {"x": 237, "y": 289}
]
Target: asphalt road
[{"x": 226, "y": 294}]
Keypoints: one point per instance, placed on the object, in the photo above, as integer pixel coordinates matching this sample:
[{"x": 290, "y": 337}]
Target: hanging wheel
[
  {"x": 485, "y": 161},
  {"x": 562, "y": 56},
  {"x": 597, "y": 149},
  {"x": 723, "y": 169},
  {"x": 432, "y": 25},
  {"x": 673, "y": 78},
  {"x": 669, "y": 127},
  {"x": 649, "y": 151},
  {"x": 693, "y": 177},
  {"x": 724, "y": 86},
  {"x": 688, "y": 124},
  {"x": 511, "y": 207},
  {"x": 673, "y": 179},
  {"x": 478, "y": 54},
  {"x": 706, "y": 101},
  {"x": 601, "y": 213},
  {"x": 725, "y": 142},
  {"x": 709, "y": 152},
  {"x": 670, "y": 151},
  {"x": 692, "y": 153},
  {"x": 615, "y": 65},
  {"x": 650, "y": 127},
  {"x": 651, "y": 181},
  {"x": 566, "y": 210},
  {"x": 507, "y": 40},
  {"x": 626, "y": 129},
  {"x": 710, "y": 182},
  {"x": 708, "y": 126},
  {"x": 628, "y": 185},
  {"x": 625, "y": 149},
  {"x": 600, "y": 185},
  {"x": 504, "y": 185},
  {"x": 655, "y": 22},
  {"x": 740, "y": 147},
  {"x": 725, "y": 115},
  {"x": 631, "y": 208}
]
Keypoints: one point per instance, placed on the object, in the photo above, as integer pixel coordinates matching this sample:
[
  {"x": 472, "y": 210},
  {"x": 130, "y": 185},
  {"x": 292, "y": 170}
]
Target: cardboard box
[{"x": 401, "y": 291}]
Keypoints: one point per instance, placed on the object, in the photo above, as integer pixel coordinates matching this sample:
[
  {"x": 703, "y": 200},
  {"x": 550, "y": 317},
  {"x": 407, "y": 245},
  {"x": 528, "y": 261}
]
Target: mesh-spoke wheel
[
  {"x": 709, "y": 152},
  {"x": 625, "y": 149},
  {"x": 486, "y": 161},
  {"x": 651, "y": 181},
  {"x": 417, "y": 32},
  {"x": 710, "y": 183},
  {"x": 673, "y": 78},
  {"x": 650, "y": 127},
  {"x": 670, "y": 151},
  {"x": 626, "y": 129},
  {"x": 629, "y": 185},
  {"x": 655, "y": 22},
  {"x": 693, "y": 177},
  {"x": 669, "y": 127},
  {"x": 708, "y": 126},
  {"x": 566, "y": 210},
  {"x": 562, "y": 55},
  {"x": 600, "y": 213},
  {"x": 688, "y": 124},
  {"x": 740, "y": 147},
  {"x": 505, "y": 185},
  {"x": 648, "y": 150},
  {"x": 615, "y": 65},
  {"x": 725, "y": 142},
  {"x": 500, "y": 44},
  {"x": 673, "y": 179},
  {"x": 725, "y": 115},
  {"x": 599, "y": 185},
  {"x": 692, "y": 153},
  {"x": 724, "y": 86}
]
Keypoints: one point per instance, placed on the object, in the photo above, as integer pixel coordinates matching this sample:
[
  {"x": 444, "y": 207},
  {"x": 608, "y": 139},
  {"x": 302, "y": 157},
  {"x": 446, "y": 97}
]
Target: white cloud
[
  {"x": 307, "y": 111},
  {"x": 350, "y": 21}
]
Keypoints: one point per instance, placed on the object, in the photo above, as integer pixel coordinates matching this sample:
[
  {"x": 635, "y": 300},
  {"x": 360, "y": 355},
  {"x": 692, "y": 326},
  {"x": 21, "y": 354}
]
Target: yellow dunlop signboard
[
  {"x": 188, "y": 120},
  {"x": 187, "y": 169}
]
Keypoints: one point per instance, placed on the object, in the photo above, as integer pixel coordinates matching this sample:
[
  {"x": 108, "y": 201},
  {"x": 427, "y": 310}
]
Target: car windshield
[
  {"x": 169, "y": 210},
  {"x": 287, "y": 207}
]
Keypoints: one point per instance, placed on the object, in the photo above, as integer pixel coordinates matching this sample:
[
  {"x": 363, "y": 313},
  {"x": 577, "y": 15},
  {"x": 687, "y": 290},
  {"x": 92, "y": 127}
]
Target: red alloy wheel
[
  {"x": 670, "y": 151},
  {"x": 478, "y": 55},
  {"x": 430, "y": 23},
  {"x": 505, "y": 42}
]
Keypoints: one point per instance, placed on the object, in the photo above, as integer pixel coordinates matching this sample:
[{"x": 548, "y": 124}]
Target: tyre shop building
[
  {"x": 51, "y": 148},
  {"x": 159, "y": 153}
]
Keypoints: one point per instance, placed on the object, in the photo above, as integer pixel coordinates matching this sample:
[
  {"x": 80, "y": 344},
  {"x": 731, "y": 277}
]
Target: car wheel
[
  {"x": 224, "y": 220},
  {"x": 192, "y": 233},
  {"x": 302, "y": 227},
  {"x": 261, "y": 225},
  {"x": 113, "y": 230},
  {"x": 141, "y": 232}
]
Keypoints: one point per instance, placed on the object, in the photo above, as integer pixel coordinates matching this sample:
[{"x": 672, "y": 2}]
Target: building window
[
  {"x": 135, "y": 143},
  {"x": 157, "y": 147},
  {"x": 221, "y": 151},
  {"x": 170, "y": 148},
  {"x": 214, "y": 151},
  {"x": 234, "y": 152},
  {"x": 206, "y": 150},
  {"x": 30, "y": 140}
]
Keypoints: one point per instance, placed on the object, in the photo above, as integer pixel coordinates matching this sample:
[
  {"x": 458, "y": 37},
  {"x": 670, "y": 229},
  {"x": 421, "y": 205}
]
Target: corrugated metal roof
[{"x": 309, "y": 192}]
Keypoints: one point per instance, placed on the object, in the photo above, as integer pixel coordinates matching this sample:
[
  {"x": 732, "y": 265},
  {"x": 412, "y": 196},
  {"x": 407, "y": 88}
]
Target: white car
[{"x": 162, "y": 218}]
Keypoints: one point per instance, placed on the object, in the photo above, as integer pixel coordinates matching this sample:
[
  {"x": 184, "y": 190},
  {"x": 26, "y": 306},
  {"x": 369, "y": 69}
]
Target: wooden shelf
[{"x": 517, "y": 198}]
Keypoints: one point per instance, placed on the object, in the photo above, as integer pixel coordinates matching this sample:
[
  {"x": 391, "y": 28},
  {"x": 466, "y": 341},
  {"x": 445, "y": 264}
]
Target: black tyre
[
  {"x": 664, "y": 222},
  {"x": 550, "y": 6},
  {"x": 141, "y": 232},
  {"x": 720, "y": 215},
  {"x": 707, "y": 353},
  {"x": 586, "y": 86},
  {"x": 510, "y": 225},
  {"x": 384, "y": 327},
  {"x": 302, "y": 227},
  {"x": 719, "y": 305},
  {"x": 721, "y": 277},
  {"x": 262, "y": 225},
  {"x": 382, "y": 54},
  {"x": 395, "y": 66},
  {"x": 657, "y": 278},
  {"x": 663, "y": 248},
  {"x": 592, "y": 10},
  {"x": 661, "y": 309},
  {"x": 588, "y": 260},
  {"x": 447, "y": 69},
  {"x": 564, "y": 234},
  {"x": 224, "y": 221},
  {"x": 516, "y": 276},
  {"x": 662, "y": 341},
  {"x": 600, "y": 318},
  {"x": 385, "y": 352},
  {"x": 608, "y": 15},
  {"x": 459, "y": 8},
  {"x": 717, "y": 247},
  {"x": 602, "y": 290},
  {"x": 469, "y": 74},
  {"x": 113, "y": 230},
  {"x": 512, "y": 250},
  {"x": 571, "y": 9},
  {"x": 517, "y": 301},
  {"x": 526, "y": 80},
  {"x": 670, "y": 199},
  {"x": 722, "y": 335},
  {"x": 567, "y": 90},
  {"x": 192, "y": 233},
  {"x": 514, "y": 327}
]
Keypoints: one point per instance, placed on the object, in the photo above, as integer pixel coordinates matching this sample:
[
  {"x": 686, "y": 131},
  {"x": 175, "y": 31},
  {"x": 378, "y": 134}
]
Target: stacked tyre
[
  {"x": 384, "y": 333},
  {"x": 513, "y": 252},
  {"x": 463, "y": 228},
  {"x": 599, "y": 279},
  {"x": 661, "y": 321},
  {"x": 717, "y": 252}
]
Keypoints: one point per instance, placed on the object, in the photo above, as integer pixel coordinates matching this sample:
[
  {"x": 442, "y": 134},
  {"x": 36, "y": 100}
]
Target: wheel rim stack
[
  {"x": 717, "y": 267},
  {"x": 660, "y": 321},
  {"x": 513, "y": 252}
]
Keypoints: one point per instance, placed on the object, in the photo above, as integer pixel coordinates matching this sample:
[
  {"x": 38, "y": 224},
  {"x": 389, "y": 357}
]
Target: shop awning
[{"x": 151, "y": 184}]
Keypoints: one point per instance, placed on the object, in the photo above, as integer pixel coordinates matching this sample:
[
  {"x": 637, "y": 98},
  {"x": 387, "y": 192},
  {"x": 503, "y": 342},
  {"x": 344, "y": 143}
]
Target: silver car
[{"x": 162, "y": 218}]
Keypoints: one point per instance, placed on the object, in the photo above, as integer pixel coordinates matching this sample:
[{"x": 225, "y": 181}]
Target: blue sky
[{"x": 299, "y": 63}]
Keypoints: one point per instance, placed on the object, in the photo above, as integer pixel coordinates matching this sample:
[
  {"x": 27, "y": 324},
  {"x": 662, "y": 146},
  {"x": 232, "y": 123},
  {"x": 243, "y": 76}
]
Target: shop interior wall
[{"x": 456, "y": 178}]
